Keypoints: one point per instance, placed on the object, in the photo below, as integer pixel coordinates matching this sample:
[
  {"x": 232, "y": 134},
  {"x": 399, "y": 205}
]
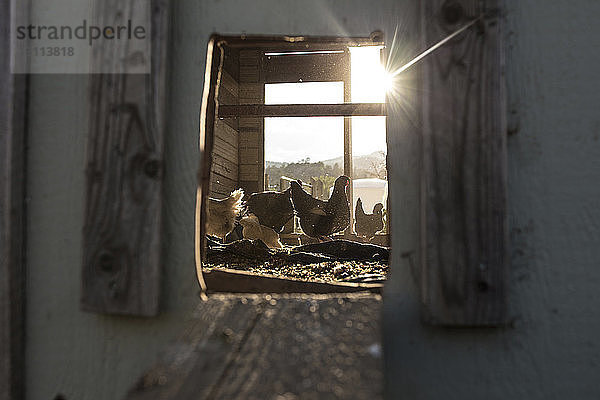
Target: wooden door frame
[{"x": 13, "y": 128}]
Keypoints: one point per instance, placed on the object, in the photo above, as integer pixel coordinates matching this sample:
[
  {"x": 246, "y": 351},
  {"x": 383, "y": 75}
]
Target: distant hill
[
  {"x": 274, "y": 164},
  {"x": 365, "y": 166}
]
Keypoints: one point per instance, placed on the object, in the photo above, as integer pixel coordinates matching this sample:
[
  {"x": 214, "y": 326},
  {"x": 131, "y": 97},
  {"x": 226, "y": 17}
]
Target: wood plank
[
  {"x": 249, "y": 155},
  {"x": 250, "y": 124},
  {"x": 250, "y": 186},
  {"x": 464, "y": 180},
  {"x": 248, "y": 138},
  {"x": 229, "y": 83},
  {"x": 280, "y": 43},
  {"x": 12, "y": 211},
  {"x": 221, "y": 184},
  {"x": 249, "y": 172},
  {"x": 234, "y": 281},
  {"x": 227, "y": 97},
  {"x": 265, "y": 346},
  {"x": 224, "y": 167},
  {"x": 225, "y": 149},
  {"x": 302, "y": 110},
  {"x": 217, "y": 332},
  {"x": 226, "y": 132},
  {"x": 122, "y": 229},
  {"x": 321, "y": 349},
  {"x": 251, "y": 92},
  {"x": 306, "y": 68},
  {"x": 250, "y": 66},
  {"x": 231, "y": 62},
  {"x": 249, "y": 56},
  {"x": 348, "y": 164}
]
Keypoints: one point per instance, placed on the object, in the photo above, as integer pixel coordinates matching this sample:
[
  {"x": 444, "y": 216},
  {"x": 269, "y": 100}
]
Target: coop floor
[
  {"x": 330, "y": 262},
  {"x": 331, "y": 271}
]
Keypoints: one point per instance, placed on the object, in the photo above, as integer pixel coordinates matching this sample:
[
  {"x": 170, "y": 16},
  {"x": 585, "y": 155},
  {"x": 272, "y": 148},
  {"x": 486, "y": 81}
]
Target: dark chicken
[
  {"x": 367, "y": 225},
  {"x": 320, "y": 218},
  {"x": 273, "y": 209}
]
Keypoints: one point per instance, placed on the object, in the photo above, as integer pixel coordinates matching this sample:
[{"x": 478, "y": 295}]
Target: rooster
[
  {"x": 320, "y": 218},
  {"x": 221, "y": 214},
  {"x": 254, "y": 230},
  {"x": 367, "y": 225}
]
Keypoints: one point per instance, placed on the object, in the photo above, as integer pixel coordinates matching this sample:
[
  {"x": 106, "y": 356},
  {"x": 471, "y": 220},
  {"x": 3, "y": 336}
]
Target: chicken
[
  {"x": 273, "y": 209},
  {"x": 220, "y": 214},
  {"x": 367, "y": 225},
  {"x": 254, "y": 230},
  {"x": 320, "y": 218}
]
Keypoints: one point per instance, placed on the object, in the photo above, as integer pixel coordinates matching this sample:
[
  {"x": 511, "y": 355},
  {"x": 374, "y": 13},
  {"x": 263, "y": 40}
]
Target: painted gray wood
[
  {"x": 124, "y": 170},
  {"x": 13, "y": 92},
  {"x": 464, "y": 221}
]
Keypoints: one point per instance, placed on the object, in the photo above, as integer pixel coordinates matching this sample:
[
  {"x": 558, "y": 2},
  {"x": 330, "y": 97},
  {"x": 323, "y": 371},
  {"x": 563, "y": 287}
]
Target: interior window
[{"x": 297, "y": 187}]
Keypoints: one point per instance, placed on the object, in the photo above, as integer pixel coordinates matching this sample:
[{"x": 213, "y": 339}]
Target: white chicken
[
  {"x": 252, "y": 229},
  {"x": 220, "y": 214}
]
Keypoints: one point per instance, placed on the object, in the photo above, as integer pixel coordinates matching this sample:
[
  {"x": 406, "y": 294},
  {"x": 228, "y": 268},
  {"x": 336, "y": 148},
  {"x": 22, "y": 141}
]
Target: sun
[{"x": 370, "y": 80}]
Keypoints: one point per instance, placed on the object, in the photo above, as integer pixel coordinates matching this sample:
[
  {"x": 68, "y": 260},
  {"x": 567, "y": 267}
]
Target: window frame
[{"x": 238, "y": 281}]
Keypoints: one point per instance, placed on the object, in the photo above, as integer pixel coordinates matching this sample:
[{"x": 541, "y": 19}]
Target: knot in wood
[
  {"x": 452, "y": 12},
  {"x": 152, "y": 168},
  {"x": 483, "y": 286},
  {"x": 106, "y": 261}
]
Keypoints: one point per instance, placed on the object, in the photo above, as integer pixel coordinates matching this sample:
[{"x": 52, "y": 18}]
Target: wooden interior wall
[
  {"x": 252, "y": 139},
  {"x": 224, "y": 174}
]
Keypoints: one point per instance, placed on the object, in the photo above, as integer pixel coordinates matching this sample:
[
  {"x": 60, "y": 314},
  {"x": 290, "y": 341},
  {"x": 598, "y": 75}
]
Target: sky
[{"x": 322, "y": 138}]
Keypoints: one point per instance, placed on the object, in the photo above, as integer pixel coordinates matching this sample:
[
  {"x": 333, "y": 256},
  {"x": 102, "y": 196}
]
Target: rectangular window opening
[{"x": 289, "y": 121}]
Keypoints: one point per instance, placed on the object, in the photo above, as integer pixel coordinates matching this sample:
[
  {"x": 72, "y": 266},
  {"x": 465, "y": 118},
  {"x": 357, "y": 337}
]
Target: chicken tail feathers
[
  {"x": 236, "y": 200},
  {"x": 359, "y": 208}
]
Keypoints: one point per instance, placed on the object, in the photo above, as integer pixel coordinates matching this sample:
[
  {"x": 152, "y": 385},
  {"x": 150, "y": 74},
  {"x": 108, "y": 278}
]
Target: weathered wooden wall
[
  {"x": 551, "y": 350},
  {"x": 224, "y": 174},
  {"x": 252, "y": 129}
]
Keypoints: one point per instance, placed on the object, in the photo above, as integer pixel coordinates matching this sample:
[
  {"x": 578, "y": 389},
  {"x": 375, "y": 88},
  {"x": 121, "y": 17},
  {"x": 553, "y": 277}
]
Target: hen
[
  {"x": 273, "y": 209},
  {"x": 320, "y": 218},
  {"x": 367, "y": 225},
  {"x": 254, "y": 230},
  {"x": 220, "y": 214}
]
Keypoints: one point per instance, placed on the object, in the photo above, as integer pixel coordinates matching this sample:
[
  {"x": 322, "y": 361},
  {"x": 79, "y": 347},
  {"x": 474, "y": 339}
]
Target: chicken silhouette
[
  {"x": 253, "y": 230},
  {"x": 367, "y": 225},
  {"x": 319, "y": 218},
  {"x": 273, "y": 209}
]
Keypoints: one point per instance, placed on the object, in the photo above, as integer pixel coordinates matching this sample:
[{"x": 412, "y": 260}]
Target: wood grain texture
[
  {"x": 306, "y": 68},
  {"x": 346, "y": 75},
  {"x": 264, "y": 346},
  {"x": 232, "y": 281},
  {"x": 13, "y": 94},
  {"x": 251, "y": 155},
  {"x": 303, "y": 110},
  {"x": 122, "y": 229},
  {"x": 224, "y": 176},
  {"x": 464, "y": 176}
]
